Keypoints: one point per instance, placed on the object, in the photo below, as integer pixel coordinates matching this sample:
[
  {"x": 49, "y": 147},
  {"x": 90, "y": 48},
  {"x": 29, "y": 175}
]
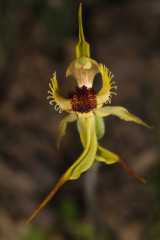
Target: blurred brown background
[{"x": 37, "y": 38}]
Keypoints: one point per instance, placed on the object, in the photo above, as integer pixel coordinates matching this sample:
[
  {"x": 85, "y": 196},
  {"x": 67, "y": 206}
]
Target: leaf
[
  {"x": 106, "y": 156},
  {"x": 120, "y": 112},
  {"x": 63, "y": 126}
]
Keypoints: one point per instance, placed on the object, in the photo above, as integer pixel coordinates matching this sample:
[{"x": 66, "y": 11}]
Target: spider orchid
[{"x": 86, "y": 108}]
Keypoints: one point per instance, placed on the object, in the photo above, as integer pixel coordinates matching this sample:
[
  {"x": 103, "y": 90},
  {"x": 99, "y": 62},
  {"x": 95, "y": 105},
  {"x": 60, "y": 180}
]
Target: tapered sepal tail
[{"x": 82, "y": 47}]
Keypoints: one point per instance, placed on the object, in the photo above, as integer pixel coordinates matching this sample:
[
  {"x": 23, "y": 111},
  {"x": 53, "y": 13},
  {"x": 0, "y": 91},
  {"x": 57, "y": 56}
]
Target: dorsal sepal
[{"x": 82, "y": 47}]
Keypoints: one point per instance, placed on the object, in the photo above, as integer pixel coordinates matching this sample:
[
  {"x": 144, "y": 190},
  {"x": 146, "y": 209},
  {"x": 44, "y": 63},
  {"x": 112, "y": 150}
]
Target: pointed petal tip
[
  {"x": 131, "y": 172},
  {"x": 80, "y": 6},
  {"x": 146, "y": 124},
  {"x": 82, "y": 47},
  {"x": 149, "y": 126},
  {"x": 62, "y": 180}
]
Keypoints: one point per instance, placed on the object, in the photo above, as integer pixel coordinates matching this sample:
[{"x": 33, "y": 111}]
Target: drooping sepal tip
[
  {"x": 50, "y": 195},
  {"x": 82, "y": 47}
]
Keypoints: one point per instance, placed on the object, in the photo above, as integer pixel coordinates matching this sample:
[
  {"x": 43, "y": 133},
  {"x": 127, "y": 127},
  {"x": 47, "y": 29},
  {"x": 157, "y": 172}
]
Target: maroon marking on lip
[{"x": 83, "y": 99}]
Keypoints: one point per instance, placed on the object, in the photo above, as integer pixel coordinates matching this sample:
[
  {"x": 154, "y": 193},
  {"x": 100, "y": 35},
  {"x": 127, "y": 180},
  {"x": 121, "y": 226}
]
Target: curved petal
[
  {"x": 82, "y": 134},
  {"x": 82, "y": 164},
  {"x": 85, "y": 161},
  {"x": 100, "y": 127},
  {"x": 106, "y": 156},
  {"x": 63, "y": 125},
  {"x": 81, "y": 126},
  {"x": 62, "y": 104},
  {"x": 104, "y": 95},
  {"x": 120, "y": 112}
]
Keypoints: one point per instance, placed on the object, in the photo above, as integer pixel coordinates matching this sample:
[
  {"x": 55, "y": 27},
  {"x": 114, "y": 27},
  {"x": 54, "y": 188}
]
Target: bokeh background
[{"x": 38, "y": 37}]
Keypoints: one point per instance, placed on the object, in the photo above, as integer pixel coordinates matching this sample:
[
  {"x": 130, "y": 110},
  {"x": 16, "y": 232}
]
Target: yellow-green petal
[
  {"x": 106, "y": 156},
  {"x": 82, "y": 133},
  {"x": 100, "y": 127},
  {"x": 85, "y": 161},
  {"x": 82, "y": 47},
  {"x": 104, "y": 95},
  {"x": 82, "y": 164},
  {"x": 63, "y": 126},
  {"x": 62, "y": 104},
  {"x": 120, "y": 112}
]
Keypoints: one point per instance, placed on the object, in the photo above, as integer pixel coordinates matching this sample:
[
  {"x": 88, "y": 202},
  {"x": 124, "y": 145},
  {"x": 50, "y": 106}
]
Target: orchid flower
[{"x": 87, "y": 109}]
